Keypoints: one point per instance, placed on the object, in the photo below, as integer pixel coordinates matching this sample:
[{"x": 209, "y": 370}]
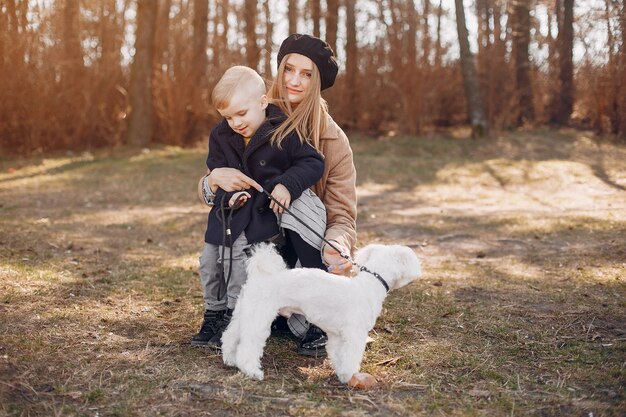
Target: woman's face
[{"x": 297, "y": 77}]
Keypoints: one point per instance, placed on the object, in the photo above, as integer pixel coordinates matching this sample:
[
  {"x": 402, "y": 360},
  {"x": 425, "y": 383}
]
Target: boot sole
[
  {"x": 206, "y": 344},
  {"x": 316, "y": 353}
]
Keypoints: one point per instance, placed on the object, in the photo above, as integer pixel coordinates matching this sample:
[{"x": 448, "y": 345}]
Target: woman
[{"x": 306, "y": 66}]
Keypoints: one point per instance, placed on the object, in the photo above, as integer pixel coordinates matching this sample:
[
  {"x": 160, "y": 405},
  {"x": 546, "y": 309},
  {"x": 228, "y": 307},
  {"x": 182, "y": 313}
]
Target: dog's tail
[{"x": 265, "y": 261}]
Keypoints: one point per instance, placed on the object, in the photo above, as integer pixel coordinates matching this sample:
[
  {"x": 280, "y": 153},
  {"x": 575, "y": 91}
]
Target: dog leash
[
  {"x": 344, "y": 256},
  {"x": 226, "y": 220}
]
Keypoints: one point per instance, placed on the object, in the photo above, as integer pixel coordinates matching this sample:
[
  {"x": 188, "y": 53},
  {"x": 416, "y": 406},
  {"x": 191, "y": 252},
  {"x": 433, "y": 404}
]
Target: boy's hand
[
  {"x": 242, "y": 200},
  {"x": 281, "y": 194}
]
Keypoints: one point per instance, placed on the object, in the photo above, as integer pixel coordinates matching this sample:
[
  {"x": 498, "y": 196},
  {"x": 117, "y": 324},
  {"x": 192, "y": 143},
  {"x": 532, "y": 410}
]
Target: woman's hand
[
  {"x": 281, "y": 194},
  {"x": 243, "y": 198},
  {"x": 336, "y": 264},
  {"x": 231, "y": 179}
]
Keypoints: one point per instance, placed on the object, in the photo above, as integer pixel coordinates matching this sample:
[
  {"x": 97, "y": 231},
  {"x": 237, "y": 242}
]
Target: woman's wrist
[
  {"x": 211, "y": 183},
  {"x": 207, "y": 193},
  {"x": 324, "y": 247}
]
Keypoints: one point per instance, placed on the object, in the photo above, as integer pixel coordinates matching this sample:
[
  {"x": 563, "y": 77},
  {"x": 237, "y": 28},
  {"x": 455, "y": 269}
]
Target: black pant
[{"x": 296, "y": 248}]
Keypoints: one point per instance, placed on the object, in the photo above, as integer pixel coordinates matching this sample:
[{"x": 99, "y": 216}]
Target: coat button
[{"x": 262, "y": 162}]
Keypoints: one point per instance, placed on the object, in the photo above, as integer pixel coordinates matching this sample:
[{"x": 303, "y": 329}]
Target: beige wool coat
[{"x": 337, "y": 188}]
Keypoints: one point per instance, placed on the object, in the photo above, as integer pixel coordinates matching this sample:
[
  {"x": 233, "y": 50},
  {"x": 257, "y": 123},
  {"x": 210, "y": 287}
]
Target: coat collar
[{"x": 331, "y": 131}]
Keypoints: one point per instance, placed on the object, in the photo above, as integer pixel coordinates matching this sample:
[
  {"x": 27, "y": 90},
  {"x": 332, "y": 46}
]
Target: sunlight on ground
[{"x": 131, "y": 215}]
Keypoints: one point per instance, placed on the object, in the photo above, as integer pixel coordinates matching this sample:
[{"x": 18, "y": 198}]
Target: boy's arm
[{"x": 307, "y": 167}]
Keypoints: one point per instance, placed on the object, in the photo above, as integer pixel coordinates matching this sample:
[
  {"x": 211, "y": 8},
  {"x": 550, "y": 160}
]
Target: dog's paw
[
  {"x": 229, "y": 360},
  {"x": 254, "y": 374}
]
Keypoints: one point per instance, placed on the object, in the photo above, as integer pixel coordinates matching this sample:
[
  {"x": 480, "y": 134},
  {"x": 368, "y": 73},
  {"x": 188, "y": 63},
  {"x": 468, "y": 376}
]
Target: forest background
[{"x": 100, "y": 73}]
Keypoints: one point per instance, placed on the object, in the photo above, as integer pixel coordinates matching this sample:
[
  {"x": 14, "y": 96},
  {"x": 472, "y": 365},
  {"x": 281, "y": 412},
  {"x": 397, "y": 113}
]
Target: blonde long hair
[{"x": 309, "y": 118}]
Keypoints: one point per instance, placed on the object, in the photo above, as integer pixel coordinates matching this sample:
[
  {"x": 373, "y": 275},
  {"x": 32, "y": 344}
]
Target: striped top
[{"x": 310, "y": 209}]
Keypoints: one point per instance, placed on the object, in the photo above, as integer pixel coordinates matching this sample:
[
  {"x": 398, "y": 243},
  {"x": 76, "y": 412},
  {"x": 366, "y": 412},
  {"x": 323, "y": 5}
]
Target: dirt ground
[{"x": 521, "y": 309}]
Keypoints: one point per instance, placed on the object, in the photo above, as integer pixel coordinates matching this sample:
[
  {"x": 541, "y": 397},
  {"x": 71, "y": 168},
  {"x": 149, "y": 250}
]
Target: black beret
[{"x": 317, "y": 50}]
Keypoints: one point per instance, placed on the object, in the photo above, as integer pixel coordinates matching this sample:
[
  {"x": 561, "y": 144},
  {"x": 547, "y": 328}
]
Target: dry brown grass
[{"x": 521, "y": 310}]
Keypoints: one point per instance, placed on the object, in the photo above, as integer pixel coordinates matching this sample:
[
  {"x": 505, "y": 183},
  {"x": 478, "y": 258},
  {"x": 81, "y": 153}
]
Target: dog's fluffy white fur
[{"x": 345, "y": 308}]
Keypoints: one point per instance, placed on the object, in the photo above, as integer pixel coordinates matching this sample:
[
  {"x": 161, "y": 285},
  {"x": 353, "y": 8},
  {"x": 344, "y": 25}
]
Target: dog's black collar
[{"x": 377, "y": 275}]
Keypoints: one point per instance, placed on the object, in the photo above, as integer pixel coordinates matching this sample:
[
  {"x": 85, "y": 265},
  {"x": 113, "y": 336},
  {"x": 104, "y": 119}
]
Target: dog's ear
[
  {"x": 410, "y": 266},
  {"x": 265, "y": 260},
  {"x": 363, "y": 254}
]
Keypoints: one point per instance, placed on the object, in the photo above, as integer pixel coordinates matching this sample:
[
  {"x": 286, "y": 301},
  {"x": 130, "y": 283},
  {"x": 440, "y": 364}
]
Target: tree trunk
[
  {"x": 141, "y": 126},
  {"x": 553, "y": 59},
  {"x": 332, "y": 17},
  {"x": 200, "y": 36},
  {"x": 521, "y": 39},
  {"x": 566, "y": 72},
  {"x": 110, "y": 39},
  {"x": 412, "y": 73},
  {"x": 316, "y": 15},
  {"x": 483, "y": 28},
  {"x": 269, "y": 45},
  {"x": 252, "y": 49},
  {"x": 622, "y": 71},
  {"x": 613, "y": 81},
  {"x": 221, "y": 43},
  {"x": 199, "y": 53},
  {"x": 351, "y": 61},
  {"x": 161, "y": 60},
  {"x": 497, "y": 70},
  {"x": 13, "y": 24},
  {"x": 293, "y": 16},
  {"x": 438, "y": 44},
  {"x": 395, "y": 39},
  {"x": 475, "y": 107},
  {"x": 411, "y": 36},
  {"x": 483, "y": 56},
  {"x": 426, "y": 34},
  {"x": 73, "y": 49}
]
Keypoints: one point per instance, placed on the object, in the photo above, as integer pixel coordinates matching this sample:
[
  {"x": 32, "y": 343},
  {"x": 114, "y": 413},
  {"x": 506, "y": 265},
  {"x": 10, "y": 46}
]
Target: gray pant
[{"x": 210, "y": 274}]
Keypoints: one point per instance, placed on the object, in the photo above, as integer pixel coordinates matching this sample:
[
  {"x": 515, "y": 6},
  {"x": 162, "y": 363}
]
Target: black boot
[
  {"x": 314, "y": 343},
  {"x": 280, "y": 327},
  {"x": 216, "y": 340},
  {"x": 210, "y": 326}
]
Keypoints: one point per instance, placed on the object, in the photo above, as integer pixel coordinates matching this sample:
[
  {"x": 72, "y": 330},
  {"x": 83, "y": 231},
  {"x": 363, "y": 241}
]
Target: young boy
[{"x": 239, "y": 219}]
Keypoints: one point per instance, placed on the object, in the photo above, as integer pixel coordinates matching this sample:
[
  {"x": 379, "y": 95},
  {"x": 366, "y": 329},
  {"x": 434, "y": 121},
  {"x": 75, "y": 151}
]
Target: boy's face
[{"x": 245, "y": 113}]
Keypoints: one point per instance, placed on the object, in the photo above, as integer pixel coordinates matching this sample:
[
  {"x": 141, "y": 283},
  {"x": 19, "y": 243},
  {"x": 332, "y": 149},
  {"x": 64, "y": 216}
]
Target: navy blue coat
[{"x": 296, "y": 165}]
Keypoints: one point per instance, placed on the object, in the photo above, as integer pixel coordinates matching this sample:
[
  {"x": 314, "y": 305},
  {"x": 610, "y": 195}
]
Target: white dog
[{"x": 345, "y": 308}]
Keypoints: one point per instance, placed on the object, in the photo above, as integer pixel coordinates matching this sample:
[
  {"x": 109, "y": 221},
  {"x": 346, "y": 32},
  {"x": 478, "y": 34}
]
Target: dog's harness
[{"x": 344, "y": 256}]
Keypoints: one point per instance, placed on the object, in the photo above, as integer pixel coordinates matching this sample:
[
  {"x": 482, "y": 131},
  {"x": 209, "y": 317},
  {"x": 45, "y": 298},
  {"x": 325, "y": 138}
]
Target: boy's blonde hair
[
  {"x": 309, "y": 119},
  {"x": 237, "y": 78}
]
